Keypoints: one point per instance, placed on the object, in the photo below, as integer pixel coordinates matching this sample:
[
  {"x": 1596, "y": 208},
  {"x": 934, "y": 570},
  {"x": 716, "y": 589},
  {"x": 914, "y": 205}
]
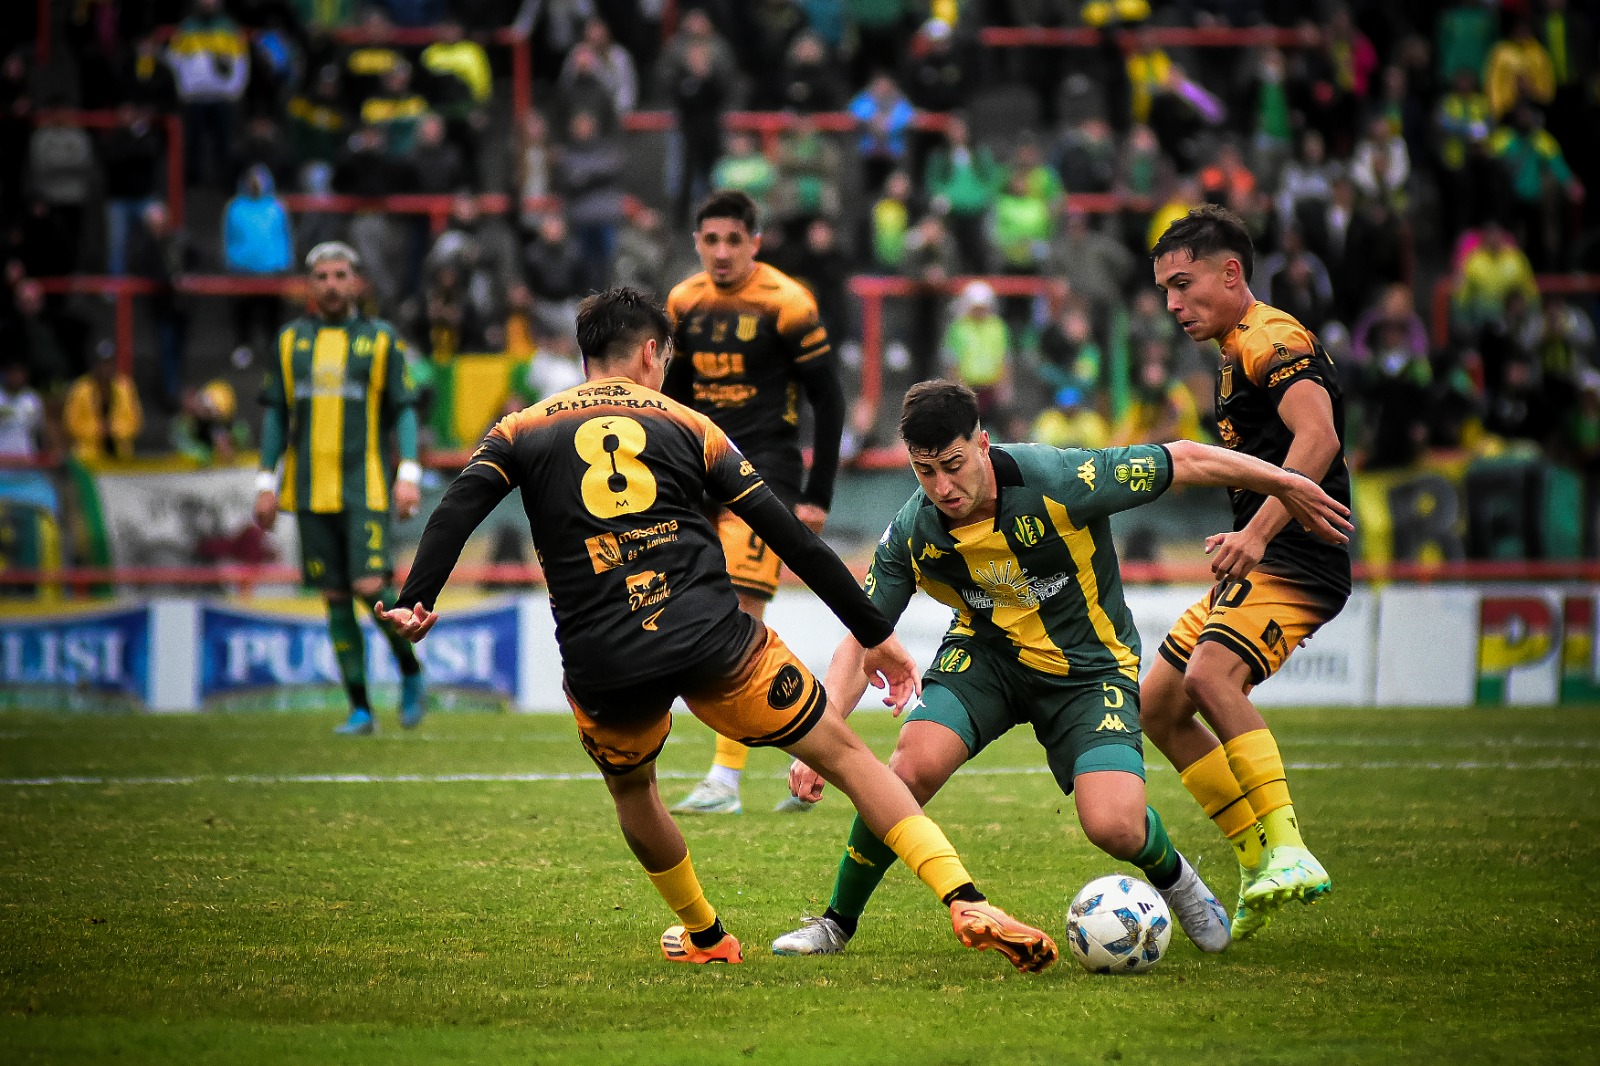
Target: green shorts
[
  {"x": 1084, "y": 724},
  {"x": 337, "y": 550}
]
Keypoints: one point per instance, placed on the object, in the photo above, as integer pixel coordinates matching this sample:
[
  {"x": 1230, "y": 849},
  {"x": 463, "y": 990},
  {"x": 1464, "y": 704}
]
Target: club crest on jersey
[
  {"x": 746, "y": 329},
  {"x": 1029, "y": 530},
  {"x": 953, "y": 661},
  {"x": 1225, "y": 387},
  {"x": 362, "y": 346}
]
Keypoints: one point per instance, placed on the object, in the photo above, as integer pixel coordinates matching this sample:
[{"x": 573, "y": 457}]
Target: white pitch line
[{"x": 678, "y": 775}]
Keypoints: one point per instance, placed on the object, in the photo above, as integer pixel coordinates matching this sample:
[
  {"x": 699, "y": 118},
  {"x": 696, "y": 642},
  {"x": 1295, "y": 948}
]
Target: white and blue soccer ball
[{"x": 1118, "y": 924}]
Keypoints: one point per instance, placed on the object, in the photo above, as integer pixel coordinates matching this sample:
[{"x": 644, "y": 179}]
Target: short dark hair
[
  {"x": 1207, "y": 230},
  {"x": 935, "y": 413},
  {"x": 728, "y": 203},
  {"x": 612, "y": 323}
]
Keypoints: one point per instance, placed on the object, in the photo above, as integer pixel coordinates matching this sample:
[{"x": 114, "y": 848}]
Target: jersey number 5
[{"x": 616, "y": 483}]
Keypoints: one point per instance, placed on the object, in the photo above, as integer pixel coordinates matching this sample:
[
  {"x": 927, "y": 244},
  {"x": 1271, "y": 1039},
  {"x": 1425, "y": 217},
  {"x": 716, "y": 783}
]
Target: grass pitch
[{"x": 239, "y": 889}]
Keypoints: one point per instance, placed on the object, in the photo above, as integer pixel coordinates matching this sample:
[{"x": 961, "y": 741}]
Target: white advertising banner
[{"x": 182, "y": 517}]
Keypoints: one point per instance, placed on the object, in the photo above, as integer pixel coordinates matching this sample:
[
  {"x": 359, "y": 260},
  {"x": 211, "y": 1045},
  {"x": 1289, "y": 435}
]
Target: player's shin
[
  {"x": 866, "y": 859},
  {"x": 1211, "y": 781},
  {"x": 1258, "y": 766},
  {"x": 350, "y": 649},
  {"x": 680, "y": 889},
  {"x": 1158, "y": 858}
]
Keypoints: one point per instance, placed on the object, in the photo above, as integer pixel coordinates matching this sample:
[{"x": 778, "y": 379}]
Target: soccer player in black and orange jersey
[
  {"x": 750, "y": 343},
  {"x": 1277, "y": 398},
  {"x": 612, "y": 475}
]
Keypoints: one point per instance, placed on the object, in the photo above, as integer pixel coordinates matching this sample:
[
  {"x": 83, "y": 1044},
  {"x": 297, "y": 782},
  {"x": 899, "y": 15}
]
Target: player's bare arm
[
  {"x": 1306, "y": 409},
  {"x": 1202, "y": 464}
]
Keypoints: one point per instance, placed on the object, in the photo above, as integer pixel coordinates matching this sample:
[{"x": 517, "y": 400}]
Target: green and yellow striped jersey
[
  {"x": 341, "y": 387},
  {"x": 1039, "y": 580}
]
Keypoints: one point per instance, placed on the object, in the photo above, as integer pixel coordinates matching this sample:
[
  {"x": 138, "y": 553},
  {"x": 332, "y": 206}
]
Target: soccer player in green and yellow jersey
[
  {"x": 336, "y": 388},
  {"x": 1016, "y": 540},
  {"x": 1278, "y": 398}
]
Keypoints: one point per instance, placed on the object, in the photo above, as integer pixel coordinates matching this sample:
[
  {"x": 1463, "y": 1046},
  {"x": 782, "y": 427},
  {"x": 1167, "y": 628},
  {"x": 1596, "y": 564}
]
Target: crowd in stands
[{"x": 1381, "y": 147}]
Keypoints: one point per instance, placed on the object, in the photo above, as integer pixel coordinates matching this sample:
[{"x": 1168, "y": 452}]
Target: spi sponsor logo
[
  {"x": 473, "y": 650},
  {"x": 1528, "y": 641}
]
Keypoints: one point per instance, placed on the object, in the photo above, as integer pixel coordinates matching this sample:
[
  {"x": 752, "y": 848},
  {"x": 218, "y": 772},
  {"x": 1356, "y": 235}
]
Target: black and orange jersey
[
  {"x": 612, "y": 477},
  {"x": 744, "y": 355},
  {"x": 1261, "y": 357}
]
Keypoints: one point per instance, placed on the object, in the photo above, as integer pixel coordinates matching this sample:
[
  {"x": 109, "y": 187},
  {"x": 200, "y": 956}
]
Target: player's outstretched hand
[
  {"x": 889, "y": 665},
  {"x": 412, "y": 623},
  {"x": 407, "y": 498},
  {"x": 1318, "y": 513},
  {"x": 804, "y": 782}
]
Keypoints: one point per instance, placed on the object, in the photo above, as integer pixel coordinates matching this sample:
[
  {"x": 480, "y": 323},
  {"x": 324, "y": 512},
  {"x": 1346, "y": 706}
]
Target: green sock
[
  {"x": 1158, "y": 858},
  {"x": 404, "y": 653},
  {"x": 866, "y": 860},
  {"x": 350, "y": 648}
]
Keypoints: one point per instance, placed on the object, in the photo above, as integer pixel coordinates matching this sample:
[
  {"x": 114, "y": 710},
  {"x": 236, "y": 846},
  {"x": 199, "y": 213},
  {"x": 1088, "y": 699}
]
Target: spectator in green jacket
[
  {"x": 967, "y": 180},
  {"x": 1541, "y": 182}
]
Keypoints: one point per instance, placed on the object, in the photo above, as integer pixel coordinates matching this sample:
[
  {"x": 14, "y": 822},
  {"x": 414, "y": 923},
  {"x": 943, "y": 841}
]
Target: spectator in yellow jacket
[
  {"x": 102, "y": 414},
  {"x": 1519, "y": 69}
]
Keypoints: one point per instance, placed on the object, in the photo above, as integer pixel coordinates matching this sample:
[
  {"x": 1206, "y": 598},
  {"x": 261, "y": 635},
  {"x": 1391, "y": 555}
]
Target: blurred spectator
[
  {"x": 1333, "y": 79},
  {"x": 823, "y": 267},
  {"x": 317, "y": 15},
  {"x": 1181, "y": 198},
  {"x": 1540, "y": 183},
  {"x": 51, "y": 358},
  {"x": 1466, "y": 175},
  {"x": 641, "y": 260},
  {"x": 936, "y": 77},
  {"x": 416, "y": 12},
  {"x": 808, "y": 173},
  {"x": 453, "y": 322},
  {"x": 365, "y": 169},
  {"x": 22, "y": 420},
  {"x": 890, "y": 223},
  {"x": 553, "y": 269},
  {"x": 1149, "y": 73},
  {"x": 369, "y": 58},
  {"x": 1519, "y": 71},
  {"x": 1561, "y": 342},
  {"x": 396, "y": 109},
  {"x": 1272, "y": 123},
  {"x": 608, "y": 63},
  {"x": 533, "y": 158},
  {"x": 1296, "y": 281},
  {"x": 318, "y": 124},
  {"x": 967, "y": 181},
  {"x": 1095, "y": 264},
  {"x": 208, "y": 428},
  {"x": 1488, "y": 277},
  {"x": 460, "y": 274},
  {"x": 265, "y": 142},
  {"x": 439, "y": 166},
  {"x": 699, "y": 95},
  {"x": 131, "y": 154},
  {"x": 102, "y": 416},
  {"x": 1024, "y": 221},
  {"x": 1512, "y": 407},
  {"x": 210, "y": 59},
  {"x": 746, "y": 168},
  {"x": 1162, "y": 407},
  {"x": 276, "y": 62},
  {"x": 61, "y": 173},
  {"x": 1086, "y": 157},
  {"x": 810, "y": 80},
  {"x": 1376, "y": 251},
  {"x": 1140, "y": 167},
  {"x": 147, "y": 81},
  {"x": 1328, "y": 232},
  {"x": 695, "y": 32},
  {"x": 588, "y": 174},
  {"x": 765, "y": 29},
  {"x": 881, "y": 29},
  {"x": 160, "y": 252},
  {"x": 1568, "y": 37},
  {"x": 977, "y": 348},
  {"x": 1226, "y": 180},
  {"x": 461, "y": 80},
  {"x": 256, "y": 241},
  {"x": 883, "y": 117},
  {"x": 1306, "y": 186},
  {"x": 1388, "y": 326},
  {"x": 1465, "y": 31},
  {"x": 1395, "y": 393},
  {"x": 1149, "y": 322},
  {"x": 1071, "y": 422},
  {"x": 1069, "y": 358},
  {"x": 932, "y": 258},
  {"x": 1381, "y": 165}
]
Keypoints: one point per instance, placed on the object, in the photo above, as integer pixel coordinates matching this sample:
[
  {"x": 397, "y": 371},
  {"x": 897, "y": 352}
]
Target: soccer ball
[{"x": 1118, "y": 924}]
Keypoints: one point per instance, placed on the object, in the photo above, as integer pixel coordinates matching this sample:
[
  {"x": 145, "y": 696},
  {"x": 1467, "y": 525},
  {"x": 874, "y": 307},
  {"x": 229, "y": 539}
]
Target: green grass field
[{"x": 219, "y": 888}]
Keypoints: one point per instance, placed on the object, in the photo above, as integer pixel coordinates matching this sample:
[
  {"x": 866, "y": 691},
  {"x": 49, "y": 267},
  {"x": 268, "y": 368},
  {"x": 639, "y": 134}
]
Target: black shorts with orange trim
[
  {"x": 755, "y": 691},
  {"x": 1261, "y": 619}
]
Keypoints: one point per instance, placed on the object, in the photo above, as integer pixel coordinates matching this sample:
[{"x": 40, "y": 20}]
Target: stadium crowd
[{"x": 1381, "y": 147}]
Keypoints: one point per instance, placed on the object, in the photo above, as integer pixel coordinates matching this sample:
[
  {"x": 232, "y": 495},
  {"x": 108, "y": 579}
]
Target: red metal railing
[
  {"x": 1159, "y": 36},
  {"x": 104, "y": 120}
]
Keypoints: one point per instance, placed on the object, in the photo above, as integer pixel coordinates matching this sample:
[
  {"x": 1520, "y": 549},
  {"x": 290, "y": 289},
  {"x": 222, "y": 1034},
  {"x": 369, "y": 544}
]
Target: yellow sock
[
  {"x": 1259, "y": 769},
  {"x": 1210, "y": 781},
  {"x": 922, "y": 846},
  {"x": 730, "y": 753},
  {"x": 681, "y": 889}
]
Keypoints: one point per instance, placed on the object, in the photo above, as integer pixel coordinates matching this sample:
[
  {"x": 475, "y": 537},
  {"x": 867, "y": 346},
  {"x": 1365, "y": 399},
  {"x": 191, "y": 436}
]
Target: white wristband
[
  {"x": 409, "y": 470},
  {"x": 266, "y": 481}
]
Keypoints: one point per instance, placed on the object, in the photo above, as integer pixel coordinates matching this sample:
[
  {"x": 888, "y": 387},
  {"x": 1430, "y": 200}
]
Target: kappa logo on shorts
[
  {"x": 1111, "y": 723},
  {"x": 786, "y": 687}
]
